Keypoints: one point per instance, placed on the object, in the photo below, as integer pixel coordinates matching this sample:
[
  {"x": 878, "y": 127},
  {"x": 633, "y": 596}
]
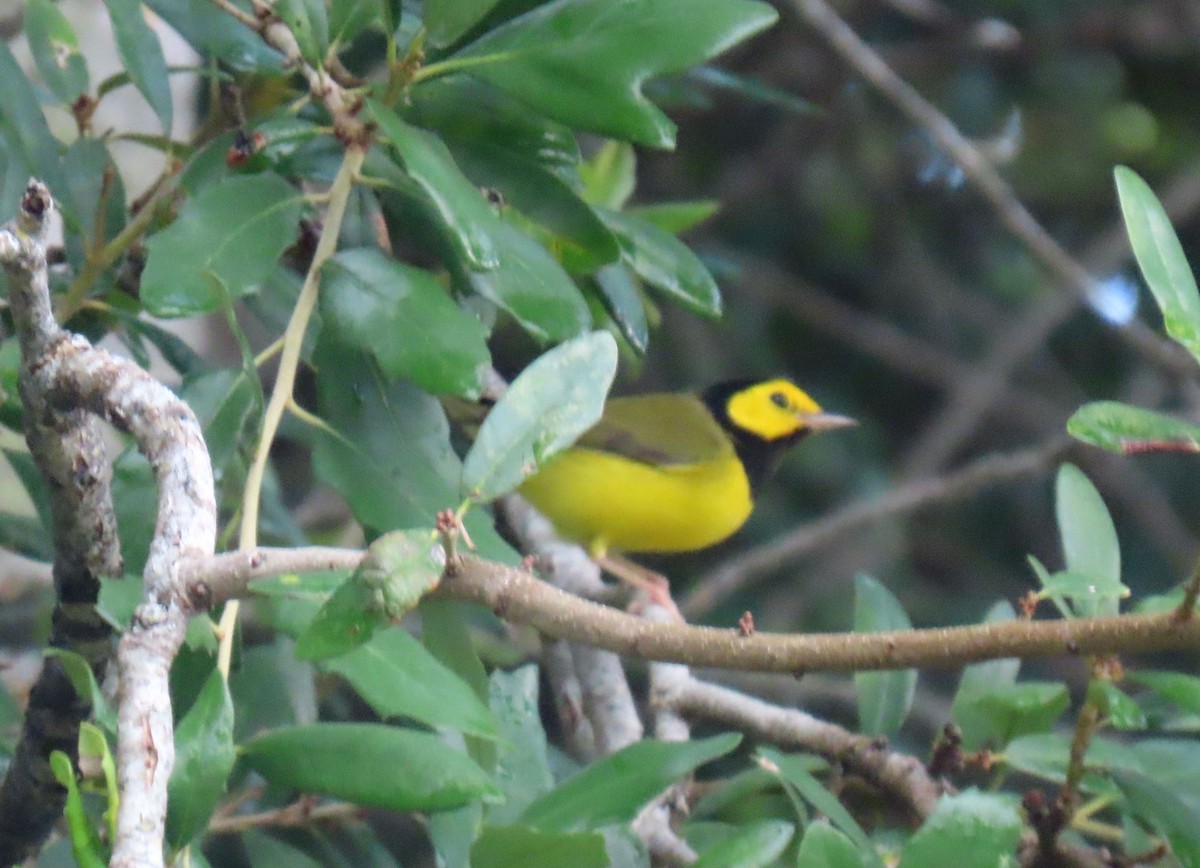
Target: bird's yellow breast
[{"x": 607, "y": 501}]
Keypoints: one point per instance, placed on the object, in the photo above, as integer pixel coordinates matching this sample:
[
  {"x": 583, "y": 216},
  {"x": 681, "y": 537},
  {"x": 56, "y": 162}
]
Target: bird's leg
[{"x": 655, "y": 585}]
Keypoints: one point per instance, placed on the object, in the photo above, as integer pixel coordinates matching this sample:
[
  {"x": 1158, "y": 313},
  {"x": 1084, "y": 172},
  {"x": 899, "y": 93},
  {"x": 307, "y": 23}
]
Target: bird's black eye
[{"x": 779, "y": 400}]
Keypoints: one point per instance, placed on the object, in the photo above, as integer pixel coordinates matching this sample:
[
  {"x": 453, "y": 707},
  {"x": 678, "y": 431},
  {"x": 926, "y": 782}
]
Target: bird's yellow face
[{"x": 772, "y": 410}]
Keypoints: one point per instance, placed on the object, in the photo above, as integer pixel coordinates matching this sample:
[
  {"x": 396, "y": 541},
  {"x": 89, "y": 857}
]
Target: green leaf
[
  {"x": 884, "y": 698},
  {"x": 584, "y": 62},
  {"x": 1082, "y": 589},
  {"x": 225, "y": 242},
  {"x": 535, "y": 194},
  {"x": 1046, "y": 755},
  {"x": 80, "y": 674},
  {"x": 824, "y": 846},
  {"x": 204, "y": 757},
  {"x": 94, "y": 193},
  {"x": 554, "y": 400},
  {"x": 613, "y": 789},
  {"x": 610, "y": 176},
  {"x": 309, "y": 23},
  {"x": 677, "y": 217},
  {"x": 623, "y": 300},
  {"x": 464, "y": 211},
  {"x": 86, "y": 845},
  {"x": 1131, "y": 430},
  {"x": 1089, "y": 540},
  {"x": 522, "y": 769},
  {"x": 977, "y": 725},
  {"x": 55, "y": 50},
  {"x": 24, "y": 129},
  {"x": 403, "y": 317},
  {"x": 398, "y": 678},
  {"x": 1120, "y": 709},
  {"x": 391, "y": 458},
  {"x": 142, "y": 56},
  {"x": 754, "y": 846},
  {"x": 531, "y": 285},
  {"x": 1177, "y": 687},
  {"x": 665, "y": 262},
  {"x": 1020, "y": 709},
  {"x": 792, "y": 770},
  {"x": 967, "y": 830},
  {"x": 444, "y": 632},
  {"x": 1161, "y": 259},
  {"x": 94, "y": 750},
  {"x": 447, "y": 20},
  {"x": 217, "y": 35},
  {"x": 369, "y": 764},
  {"x": 510, "y": 846},
  {"x": 1159, "y": 806},
  {"x": 347, "y": 620}
]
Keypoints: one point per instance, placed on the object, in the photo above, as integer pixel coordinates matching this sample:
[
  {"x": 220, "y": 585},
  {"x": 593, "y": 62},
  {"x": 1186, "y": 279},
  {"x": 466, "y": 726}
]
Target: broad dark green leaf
[
  {"x": 573, "y": 233},
  {"x": 1161, "y": 259},
  {"x": 447, "y": 20},
  {"x": 55, "y": 50},
  {"x": 1121, "y": 711},
  {"x": 522, "y": 770},
  {"x": 665, "y": 263},
  {"x": 977, "y": 725},
  {"x": 1130, "y": 430},
  {"x": 26, "y": 471},
  {"x": 615, "y": 788},
  {"x": 226, "y": 240},
  {"x": 24, "y": 128},
  {"x": 884, "y": 698},
  {"x": 1024, "y": 708},
  {"x": 215, "y": 34},
  {"x": 1159, "y": 806},
  {"x": 793, "y": 770},
  {"x": 309, "y": 22},
  {"x": 204, "y": 757},
  {"x": 445, "y": 633},
  {"x": 554, "y": 400},
  {"x": 369, "y": 764},
  {"x": 584, "y": 63},
  {"x": 1089, "y": 539},
  {"x": 754, "y": 846},
  {"x": 623, "y": 300},
  {"x": 967, "y": 830},
  {"x": 398, "y": 678},
  {"x": 1178, "y": 687},
  {"x": 270, "y": 687},
  {"x": 512, "y": 846},
  {"x": 347, "y": 620},
  {"x": 530, "y": 284},
  {"x": 824, "y": 846},
  {"x": 461, "y": 206},
  {"x": 1046, "y": 756},
  {"x": 94, "y": 193},
  {"x": 392, "y": 461},
  {"x": 1174, "y": 762},
  {"x": 403, "y": 317},
  {"x": 142, "y": 56},
  {"x": 349, "y": 18}
]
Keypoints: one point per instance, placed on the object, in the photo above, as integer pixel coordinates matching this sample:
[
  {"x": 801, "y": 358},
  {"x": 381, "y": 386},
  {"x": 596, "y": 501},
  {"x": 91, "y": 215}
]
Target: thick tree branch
[
  {"x": 65, "y": 376},
  {"x": 68, "y": 448}
]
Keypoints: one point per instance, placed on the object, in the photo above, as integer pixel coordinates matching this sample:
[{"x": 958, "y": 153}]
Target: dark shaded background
[{"x": 854, "y": 258}]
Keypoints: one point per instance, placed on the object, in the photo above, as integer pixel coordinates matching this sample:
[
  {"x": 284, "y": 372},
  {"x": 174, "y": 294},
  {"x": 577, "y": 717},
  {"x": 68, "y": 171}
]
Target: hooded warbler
[{"x": 674, "y": 472}]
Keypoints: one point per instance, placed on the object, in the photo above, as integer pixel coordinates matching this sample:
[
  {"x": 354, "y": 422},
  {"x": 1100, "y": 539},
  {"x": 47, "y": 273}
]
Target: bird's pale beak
[{"x": 827, "y": 422}]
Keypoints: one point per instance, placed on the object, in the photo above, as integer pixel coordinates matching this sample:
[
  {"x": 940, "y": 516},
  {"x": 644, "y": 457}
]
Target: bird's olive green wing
[{"x": 658, "y": 429}]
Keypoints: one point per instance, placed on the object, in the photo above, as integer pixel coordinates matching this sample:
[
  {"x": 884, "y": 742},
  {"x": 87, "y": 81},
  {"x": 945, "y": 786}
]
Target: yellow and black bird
[{"x": 674, "y": 472}]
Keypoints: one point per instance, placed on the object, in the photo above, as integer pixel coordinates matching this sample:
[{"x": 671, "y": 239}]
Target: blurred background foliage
[{"x": 855, "y": 257}]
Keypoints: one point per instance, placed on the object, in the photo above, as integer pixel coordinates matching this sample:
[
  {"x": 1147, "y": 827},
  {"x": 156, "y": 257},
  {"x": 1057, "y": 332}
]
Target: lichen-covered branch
[
  {"x": 67, "y": 448},
  {"x": 64, "y": 377}
]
